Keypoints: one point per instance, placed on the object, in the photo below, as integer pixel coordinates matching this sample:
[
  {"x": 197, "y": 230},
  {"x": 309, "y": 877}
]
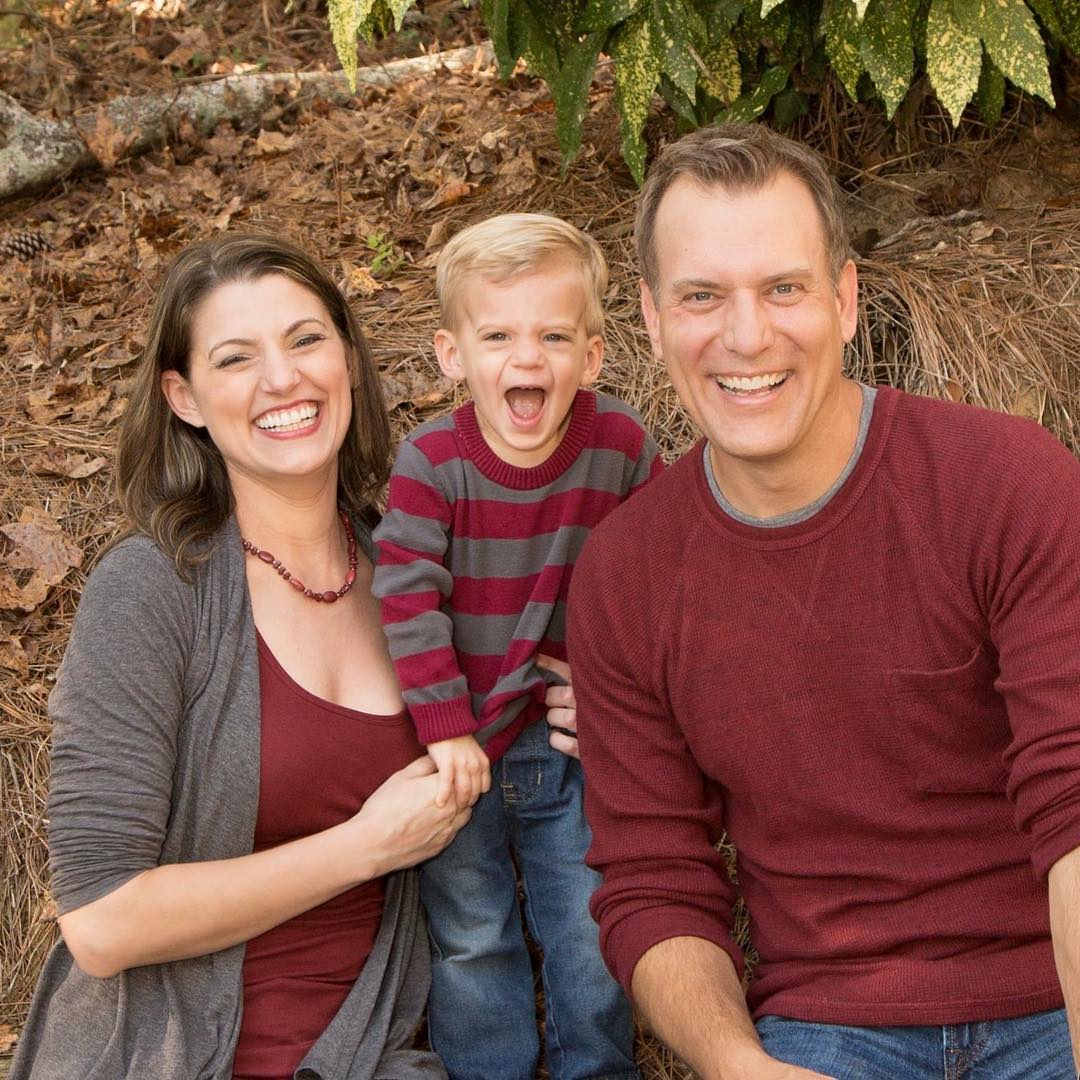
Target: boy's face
[{"x": 522, "y": 348}]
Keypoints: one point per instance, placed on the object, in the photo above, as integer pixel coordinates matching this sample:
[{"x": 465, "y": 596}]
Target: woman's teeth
[{"x": 288, "y": 419}]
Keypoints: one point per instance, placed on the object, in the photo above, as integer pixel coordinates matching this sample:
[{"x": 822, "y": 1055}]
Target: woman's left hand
[{"x": 562, "y": 707}]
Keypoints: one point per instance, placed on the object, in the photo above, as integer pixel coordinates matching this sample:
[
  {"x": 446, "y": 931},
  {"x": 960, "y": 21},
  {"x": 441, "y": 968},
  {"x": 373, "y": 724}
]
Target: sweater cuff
[
  {"x": 438, "y": 720},
  {"x": 1055, "y": 841},
  {"x": 628, "y": 941}
]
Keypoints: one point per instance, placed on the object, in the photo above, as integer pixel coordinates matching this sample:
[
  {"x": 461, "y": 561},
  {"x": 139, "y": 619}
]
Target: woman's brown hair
[{"x": 170, "y": 478}]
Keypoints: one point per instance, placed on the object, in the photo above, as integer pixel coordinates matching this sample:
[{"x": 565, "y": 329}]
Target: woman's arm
[{"x": 181, "y": 910}]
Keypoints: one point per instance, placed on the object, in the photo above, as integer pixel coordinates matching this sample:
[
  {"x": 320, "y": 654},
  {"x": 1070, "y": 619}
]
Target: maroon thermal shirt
[{"x": 880, "y": 703}]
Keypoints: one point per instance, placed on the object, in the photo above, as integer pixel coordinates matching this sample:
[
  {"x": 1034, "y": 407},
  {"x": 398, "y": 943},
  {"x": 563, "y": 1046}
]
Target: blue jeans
[
  {"x": 1032, "y": 1047},
  {"x": 482, "y": 1008}
]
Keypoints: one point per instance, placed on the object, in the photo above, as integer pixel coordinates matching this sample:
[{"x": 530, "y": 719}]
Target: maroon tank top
[{"x": 319, "y": 762}]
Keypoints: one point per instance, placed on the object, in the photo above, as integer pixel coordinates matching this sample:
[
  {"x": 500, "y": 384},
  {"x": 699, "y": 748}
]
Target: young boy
[{"x": 488, "y": 510}]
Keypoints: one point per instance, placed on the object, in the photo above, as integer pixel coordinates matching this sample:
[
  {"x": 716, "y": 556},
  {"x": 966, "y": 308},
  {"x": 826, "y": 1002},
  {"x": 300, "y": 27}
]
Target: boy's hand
[
  {"x": 562, "y": 707},
  {"x": 464, "y": 770}
]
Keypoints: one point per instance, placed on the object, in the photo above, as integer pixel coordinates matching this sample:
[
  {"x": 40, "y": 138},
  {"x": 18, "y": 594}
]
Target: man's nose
[{"x": 747, "y": 329}]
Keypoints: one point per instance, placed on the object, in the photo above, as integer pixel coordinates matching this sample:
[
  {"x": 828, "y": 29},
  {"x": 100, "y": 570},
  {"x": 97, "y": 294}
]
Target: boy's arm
[
  {"x": 412, "y": 583},
  {"x": 648, "y": 466}
]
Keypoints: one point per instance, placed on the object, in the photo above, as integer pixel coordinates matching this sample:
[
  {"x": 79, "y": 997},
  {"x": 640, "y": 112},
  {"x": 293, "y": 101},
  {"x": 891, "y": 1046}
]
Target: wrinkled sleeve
[
  {"x": 412, "y": 584},
  {"x": 655, "y": 816},
  {"x": 1034, "y": 611},
  {"x": 116, "y": 710}
]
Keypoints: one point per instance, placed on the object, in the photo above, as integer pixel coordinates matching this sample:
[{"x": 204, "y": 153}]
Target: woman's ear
[{"x": 178, "y": 394}]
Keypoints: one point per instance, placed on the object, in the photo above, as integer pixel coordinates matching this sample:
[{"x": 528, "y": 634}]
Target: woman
[{"x": 234, "y": 779}]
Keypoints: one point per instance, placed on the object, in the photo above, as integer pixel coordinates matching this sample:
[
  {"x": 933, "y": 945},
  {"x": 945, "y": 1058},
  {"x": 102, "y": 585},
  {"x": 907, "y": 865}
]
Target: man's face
[{"x": 750, "y": 323}]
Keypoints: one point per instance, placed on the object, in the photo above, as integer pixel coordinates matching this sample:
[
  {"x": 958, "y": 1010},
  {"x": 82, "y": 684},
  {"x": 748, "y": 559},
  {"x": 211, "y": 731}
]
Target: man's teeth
[
  {"x": 754, "y": 382},
  {"x": 287, "y": 419}
]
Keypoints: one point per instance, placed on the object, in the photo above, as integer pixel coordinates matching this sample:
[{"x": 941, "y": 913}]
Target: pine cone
[{"x": 24, "y": 245}]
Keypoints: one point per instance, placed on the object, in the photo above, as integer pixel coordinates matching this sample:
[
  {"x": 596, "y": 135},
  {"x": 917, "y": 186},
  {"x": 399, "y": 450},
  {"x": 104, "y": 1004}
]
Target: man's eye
[
  {"x": 785, "y": 288},
  {"x": 700, "y": 297}
]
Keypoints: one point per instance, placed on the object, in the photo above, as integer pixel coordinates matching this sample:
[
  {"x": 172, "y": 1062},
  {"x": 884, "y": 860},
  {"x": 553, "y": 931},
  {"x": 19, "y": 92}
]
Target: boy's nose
[{"x": 527, "y": 351}]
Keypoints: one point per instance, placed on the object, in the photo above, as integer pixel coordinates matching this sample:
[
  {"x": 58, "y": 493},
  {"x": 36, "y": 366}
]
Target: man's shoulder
[{"x": 959, "y": 435}]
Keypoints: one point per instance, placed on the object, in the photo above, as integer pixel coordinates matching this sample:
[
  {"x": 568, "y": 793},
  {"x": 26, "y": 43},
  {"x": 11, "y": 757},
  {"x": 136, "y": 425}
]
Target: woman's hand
[
  {"x": 402, "y": 822},
  {"x": 562, "y": 707}
]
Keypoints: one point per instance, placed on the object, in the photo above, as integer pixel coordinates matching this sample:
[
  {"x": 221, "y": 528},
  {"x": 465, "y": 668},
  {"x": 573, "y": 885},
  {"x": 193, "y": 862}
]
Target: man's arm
[
  {"x": 690, "y": 995},
  {"x": 1065, "y": 927}
]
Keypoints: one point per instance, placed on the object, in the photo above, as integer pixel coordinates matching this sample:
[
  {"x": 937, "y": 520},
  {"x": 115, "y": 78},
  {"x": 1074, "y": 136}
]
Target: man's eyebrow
[{"x": 694, "y": 283}]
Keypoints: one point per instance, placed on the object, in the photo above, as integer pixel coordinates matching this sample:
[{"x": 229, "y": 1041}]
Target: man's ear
[
  {"x": 594, "y": 357},
  {"x": 449, "y": 358},
  {"x": 652, "y": 319},
  {"x": 847, "y": 299},
  {"x": 178, "y": 394}
]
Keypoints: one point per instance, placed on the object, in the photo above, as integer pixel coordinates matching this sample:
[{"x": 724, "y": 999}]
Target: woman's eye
[
  {"x": 308, "y": 339},
  {"x": 232, "y": 359}
]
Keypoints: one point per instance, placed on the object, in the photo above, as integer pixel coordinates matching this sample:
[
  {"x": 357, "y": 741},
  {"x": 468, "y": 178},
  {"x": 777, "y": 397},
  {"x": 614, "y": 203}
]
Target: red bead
[
  {"x": 329, "y": 596},
  {"x": 297, "y": 584},
  {"x": 350, "y": 577},
  {"x": 266, "y": 556}
]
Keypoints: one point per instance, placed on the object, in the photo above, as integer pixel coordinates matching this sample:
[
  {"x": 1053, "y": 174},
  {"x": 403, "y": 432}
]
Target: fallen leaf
[
  {"x": 221, "y": 221},
  {"x": 270, "y": 143},
  {"x": 414, "y": 389},
  {"x": 106, "y": 141},
  {"x": 517, "y": 175},
  {"x": 439, "y": 234},
  {"x": 41, "y": 545},
  {"x": 13, "y": 657},
  {"x": 16, "y": 597},
  {"x": 1029, "y": 402},
  {"x": 52, "y": 461},
  {"x": 8, "y": 1038},
  {"x": 359, "y": 280},
  {"x": 451, "y": 192}
]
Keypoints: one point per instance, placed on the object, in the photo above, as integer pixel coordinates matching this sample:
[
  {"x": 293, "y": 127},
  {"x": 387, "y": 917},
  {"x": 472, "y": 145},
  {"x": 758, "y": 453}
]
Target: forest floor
[{"x": 969, "y": 249}]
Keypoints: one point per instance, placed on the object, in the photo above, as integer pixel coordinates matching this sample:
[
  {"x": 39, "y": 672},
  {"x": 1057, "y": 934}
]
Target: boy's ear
[
  {"x": 178, "y": 394},
  {"x": 594, "y": 357},
  {"x": 447, "y": 351}
]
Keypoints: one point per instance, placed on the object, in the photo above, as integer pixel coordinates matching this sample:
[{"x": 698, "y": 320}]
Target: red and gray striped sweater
[{"x": 475, "y": 558}]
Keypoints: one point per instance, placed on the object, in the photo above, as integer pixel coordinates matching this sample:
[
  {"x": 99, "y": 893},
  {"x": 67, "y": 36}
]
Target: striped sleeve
[
  {"x": 413, "y": 583},
  {"x": 648, "y": 466}
]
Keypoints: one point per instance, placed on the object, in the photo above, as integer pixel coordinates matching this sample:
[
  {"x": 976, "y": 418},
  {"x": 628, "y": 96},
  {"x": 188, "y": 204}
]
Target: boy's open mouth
[{"x": 525, "y": 402}]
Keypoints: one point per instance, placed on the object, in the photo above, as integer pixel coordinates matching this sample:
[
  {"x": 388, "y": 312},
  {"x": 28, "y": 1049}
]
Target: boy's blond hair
[{"x": 510, "y": 244}]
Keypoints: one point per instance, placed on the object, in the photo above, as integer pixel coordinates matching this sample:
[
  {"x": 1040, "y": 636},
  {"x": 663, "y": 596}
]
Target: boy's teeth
[
  {"x": 525, "y": 401},
  {"x": 754, "y": 382},
  {"x": 287, "y": 417}
]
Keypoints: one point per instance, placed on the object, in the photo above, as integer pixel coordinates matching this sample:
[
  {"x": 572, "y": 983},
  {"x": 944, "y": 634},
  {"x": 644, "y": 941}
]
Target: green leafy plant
[
  {"x": 735, "y": 59},
  {"x": 386, "y": 260}
]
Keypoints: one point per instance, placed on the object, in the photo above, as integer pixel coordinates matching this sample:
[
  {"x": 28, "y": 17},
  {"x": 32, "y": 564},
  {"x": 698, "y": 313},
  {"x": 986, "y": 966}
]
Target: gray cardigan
[{"x": 155, "y": 760}]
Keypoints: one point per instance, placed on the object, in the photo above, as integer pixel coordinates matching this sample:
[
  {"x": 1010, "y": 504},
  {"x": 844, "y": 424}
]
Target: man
[{"x": 845, "y": 628}]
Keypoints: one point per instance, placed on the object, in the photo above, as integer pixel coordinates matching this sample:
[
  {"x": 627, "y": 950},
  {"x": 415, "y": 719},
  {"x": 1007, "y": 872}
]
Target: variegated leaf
[
  {"x": 671, "y": 23},
  {"x": 886, "y": 49},
  {"x": 953, "y": 59},
  {"x": 860, "y": 8},
  {"x": 1069, "y": 14},
  {"x": 496, "y": 15},
  {"x": 604, "y": 14},
  {"x": 1048, "y": 16},
  {"x": 638, "y": 58},
  {"x": 752, "y": 104},
  {"x": 722, "y": 77},
  {"x": 570, "y": 89},
  {"x": 346, "y": 19},
  {"x": 398, "y": 9},
  {"x": 768, "y": 5},
  {"x": 1012, "y": 38},
  {"x": 842, "y": 29},
  {"x": 990, "y": 96}
]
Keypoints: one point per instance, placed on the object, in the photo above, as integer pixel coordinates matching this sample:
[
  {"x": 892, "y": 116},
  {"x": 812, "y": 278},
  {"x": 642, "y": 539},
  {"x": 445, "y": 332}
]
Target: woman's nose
[{"x": 279, "y": 371}]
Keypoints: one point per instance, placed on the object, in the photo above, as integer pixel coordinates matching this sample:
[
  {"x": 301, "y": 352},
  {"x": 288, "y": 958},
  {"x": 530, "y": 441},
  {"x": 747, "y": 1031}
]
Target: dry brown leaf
[
  {"x": 270, "y": 143},
  {"x": 359, "y": 280},
  {"x": 8, "y": 1038},
  {"x": 52, "y": 461},
  {"x": 409, "y": 387},
  {"x": 106, "y": 141},
  {"x": 13, "y": 657},
  {"x": 16, "y": 597},
  {"x": 41, "y": 545},
  {"x": 221, "y": 221},
  {"x": 517, "y": 175},
  {"x": 439, "y": 234},
  {"x": 449, "y": 193},
  {"x": 1029, "y": 403}
]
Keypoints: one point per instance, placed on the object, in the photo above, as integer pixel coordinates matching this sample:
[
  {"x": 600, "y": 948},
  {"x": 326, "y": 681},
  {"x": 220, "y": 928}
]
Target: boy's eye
[
  {"x": 557, "y": 336},
  {"x": 495, "y": 335}
]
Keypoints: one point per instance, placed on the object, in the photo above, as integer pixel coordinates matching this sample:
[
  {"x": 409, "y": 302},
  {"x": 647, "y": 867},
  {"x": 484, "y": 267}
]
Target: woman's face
[{"x": 269, "y": 380}]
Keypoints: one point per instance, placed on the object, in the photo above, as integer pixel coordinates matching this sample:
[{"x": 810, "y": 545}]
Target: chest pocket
[{"x": 952, "y": 725}]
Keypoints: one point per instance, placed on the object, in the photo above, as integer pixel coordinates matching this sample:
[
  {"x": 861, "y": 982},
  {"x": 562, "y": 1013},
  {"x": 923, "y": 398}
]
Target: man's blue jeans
[
  {"x": 1032, "y": 1047},
  {"x": 482, "y": 1008}
]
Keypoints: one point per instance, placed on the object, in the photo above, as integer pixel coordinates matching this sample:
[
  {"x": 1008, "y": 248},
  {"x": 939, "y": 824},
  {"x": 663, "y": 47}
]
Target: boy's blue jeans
[
  {"x": 482, "y": 1008},
  {"x": 1032, "y": 1047}
]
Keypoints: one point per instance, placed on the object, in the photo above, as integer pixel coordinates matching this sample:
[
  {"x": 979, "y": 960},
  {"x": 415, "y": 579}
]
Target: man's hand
[
  {"x": 464, "y": 770},
  {"x": 562, "y": 707}
]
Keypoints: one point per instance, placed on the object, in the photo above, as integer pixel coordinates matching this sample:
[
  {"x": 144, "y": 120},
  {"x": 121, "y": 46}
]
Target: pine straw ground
[{"x": 971, "y": 292}]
